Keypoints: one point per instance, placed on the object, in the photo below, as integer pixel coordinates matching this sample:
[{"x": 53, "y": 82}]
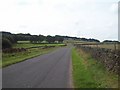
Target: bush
[{"x": 6, "y": 43}]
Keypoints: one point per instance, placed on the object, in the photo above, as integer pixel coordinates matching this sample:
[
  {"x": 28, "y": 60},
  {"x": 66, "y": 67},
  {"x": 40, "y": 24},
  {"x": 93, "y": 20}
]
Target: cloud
[
  {"x": 114, "y": 7},
  {"x": 88, "y": 18}
]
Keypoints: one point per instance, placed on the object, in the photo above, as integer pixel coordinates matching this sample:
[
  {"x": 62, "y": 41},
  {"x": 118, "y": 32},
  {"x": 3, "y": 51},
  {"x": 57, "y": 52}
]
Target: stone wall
[{"x": 109, "y": 58}]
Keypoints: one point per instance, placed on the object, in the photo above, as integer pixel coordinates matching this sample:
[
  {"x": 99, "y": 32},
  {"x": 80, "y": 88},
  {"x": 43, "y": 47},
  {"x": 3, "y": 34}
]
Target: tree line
[{"x": 8, "y": 39}]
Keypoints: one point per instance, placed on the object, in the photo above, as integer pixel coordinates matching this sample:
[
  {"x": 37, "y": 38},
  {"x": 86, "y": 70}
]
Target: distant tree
[
  {"x": 50, "y": 39},
  {"x": 59, "y": 38},
  {"x": 89, "y": 40},
  {"x": 93, "y": 40},
  {"x": 6, "y": 43},
  {"x": 110, "y": 41},
  {"x": 41, "y": 38},
  {"x": 83, "y": 39},
  {"x": 13, "y": 38},
  {"x": 23, "y": 37},
  {"x": 34, "y": 39},
  {"x": 9, "y": 36}
]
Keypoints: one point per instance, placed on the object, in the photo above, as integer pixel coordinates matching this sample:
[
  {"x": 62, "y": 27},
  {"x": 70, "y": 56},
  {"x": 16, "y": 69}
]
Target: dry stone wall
[{"x": 109, "y": 58}]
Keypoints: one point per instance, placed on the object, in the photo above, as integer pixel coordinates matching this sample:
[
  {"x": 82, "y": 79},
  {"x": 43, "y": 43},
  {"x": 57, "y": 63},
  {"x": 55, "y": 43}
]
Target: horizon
[
  {"x": 76, "y": 18},
  {"x": 60, "y": 35}
]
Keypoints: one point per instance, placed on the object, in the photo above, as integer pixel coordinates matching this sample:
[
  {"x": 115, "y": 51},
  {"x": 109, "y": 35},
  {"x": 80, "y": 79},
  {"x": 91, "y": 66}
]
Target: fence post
[{"x": 115, "y": 46}]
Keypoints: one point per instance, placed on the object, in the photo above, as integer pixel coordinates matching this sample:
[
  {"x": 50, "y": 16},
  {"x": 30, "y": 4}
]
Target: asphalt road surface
[{"x": 50, "y": 70}]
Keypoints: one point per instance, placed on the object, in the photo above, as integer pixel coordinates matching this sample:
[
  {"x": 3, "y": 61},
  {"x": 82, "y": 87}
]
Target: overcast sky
[{"x": 81, "y": 18}]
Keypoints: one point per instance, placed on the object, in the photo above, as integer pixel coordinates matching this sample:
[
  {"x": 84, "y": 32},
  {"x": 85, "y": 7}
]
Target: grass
[
  {"x": 88, "y": 73},
  {"x": 102, "y": 45},
  {"x": 28, "y": 45},
  {"x": 109, "y": 46},
  {"x": 23, "y": 41},
  {"x": 12, "y": 58},
  {"x": 8, "y": 59}
]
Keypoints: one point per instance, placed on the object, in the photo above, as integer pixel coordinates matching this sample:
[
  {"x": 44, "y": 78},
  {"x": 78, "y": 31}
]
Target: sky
[{"x": 79, "y": 18}]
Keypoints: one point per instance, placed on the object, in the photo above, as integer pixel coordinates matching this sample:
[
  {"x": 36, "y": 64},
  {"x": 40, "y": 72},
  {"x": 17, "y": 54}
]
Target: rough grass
[
  {"x": 109, "y": 46},
  {"x": 28, "y": 45},
  {"x": 104, "y": 45},
  {"x": 88, "y": 73},
  {"x": 11, "y": 58}
]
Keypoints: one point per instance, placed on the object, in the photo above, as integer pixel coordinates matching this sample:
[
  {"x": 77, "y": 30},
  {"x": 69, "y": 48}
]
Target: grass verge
[
  {"x": 28, "y": 45},
  {"x": 12, "y": 58},
  {"x": 88, "y": 73}
]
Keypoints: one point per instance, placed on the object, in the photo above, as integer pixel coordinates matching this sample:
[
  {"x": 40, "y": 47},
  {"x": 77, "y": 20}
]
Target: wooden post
[{"x": 115, "y": 46}]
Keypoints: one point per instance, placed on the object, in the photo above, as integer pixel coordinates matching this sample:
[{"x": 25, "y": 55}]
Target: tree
[
  {"x": 6, "y": 43},
  {"x": 41, "y": 38},
  {"x": 50, "y": 39},
  {"x": 34, "y": 39},
  {"x": 110, "y": 41},
  {"x": 59, "y": 38},
  {"x": 9, "y": 36}
]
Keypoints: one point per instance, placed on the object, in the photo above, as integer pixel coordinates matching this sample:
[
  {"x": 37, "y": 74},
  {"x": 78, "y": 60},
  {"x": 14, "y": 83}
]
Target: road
[{"x": 50, "y": 70}]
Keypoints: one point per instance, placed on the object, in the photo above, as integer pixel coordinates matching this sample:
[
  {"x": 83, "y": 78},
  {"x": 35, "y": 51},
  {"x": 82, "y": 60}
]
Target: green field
[
  {"x": 101, "y": 45},
  {"x": 107, "y": 46},
  {"x": 23, "y": 42},
  {"x": 88, "y": 73},
  {"x": 11, "y": 58}
]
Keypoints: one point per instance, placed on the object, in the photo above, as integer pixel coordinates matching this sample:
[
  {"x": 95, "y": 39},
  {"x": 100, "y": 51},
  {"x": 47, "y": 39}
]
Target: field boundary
[
  {"x": 89, "y": 73},
  {"x": 23, "y": 58},
  {"x": 110, "y": 58}
]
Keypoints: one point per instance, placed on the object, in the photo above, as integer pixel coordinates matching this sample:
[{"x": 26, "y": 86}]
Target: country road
[{"x": 52, "y": 70}]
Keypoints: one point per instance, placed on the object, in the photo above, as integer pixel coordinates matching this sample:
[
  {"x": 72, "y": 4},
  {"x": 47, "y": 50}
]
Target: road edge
[{"x": 71, "y": 85}]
